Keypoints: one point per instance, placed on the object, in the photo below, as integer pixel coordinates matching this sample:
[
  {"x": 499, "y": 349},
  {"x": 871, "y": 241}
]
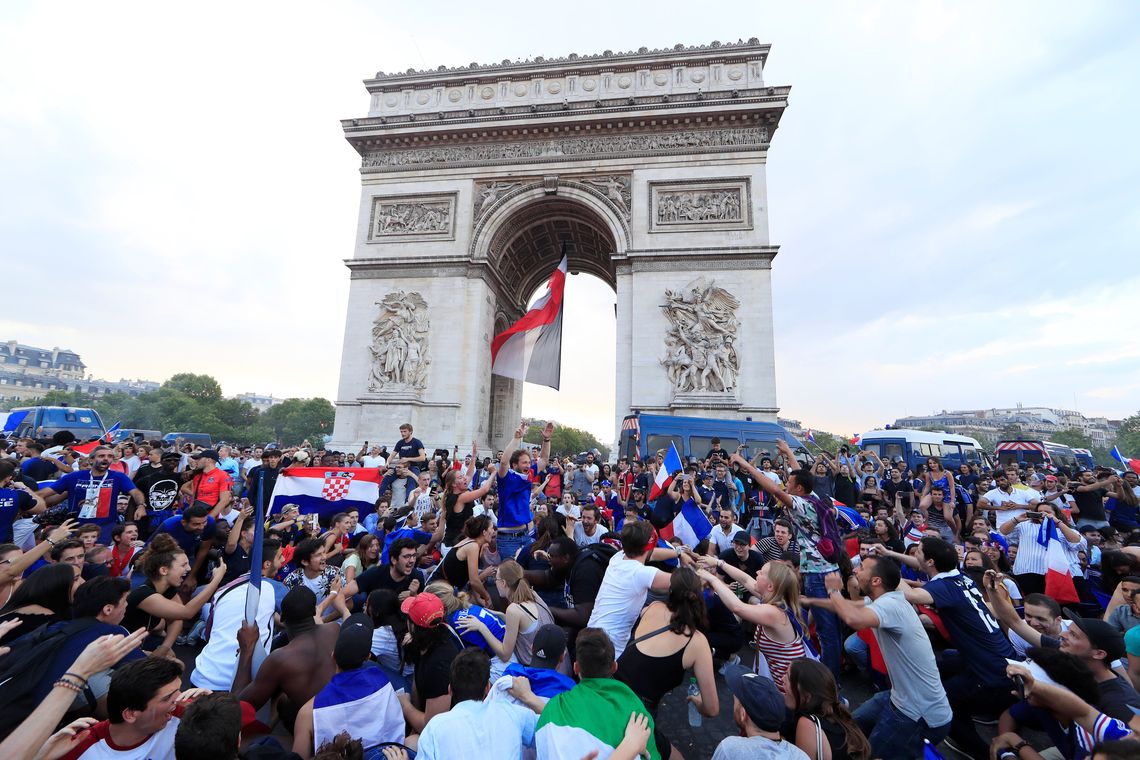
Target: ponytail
[
  {"x": 161, "y": 553},
  {"x": 518, "y": 589}
]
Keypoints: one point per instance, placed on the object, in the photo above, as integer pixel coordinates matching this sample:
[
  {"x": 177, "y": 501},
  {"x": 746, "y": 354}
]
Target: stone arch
[{"x": 520, "y": 236}]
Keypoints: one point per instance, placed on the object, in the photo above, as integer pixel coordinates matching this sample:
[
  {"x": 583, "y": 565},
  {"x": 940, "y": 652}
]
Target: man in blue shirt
[
  {"x": 193, "y": 530},
  {"x": 973, "y": 674},
  {"x": 514, "y": 490},
  {"x": 94, "y": 494}
]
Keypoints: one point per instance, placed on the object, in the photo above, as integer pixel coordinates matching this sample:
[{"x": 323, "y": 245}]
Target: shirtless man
[{"x": 296, "y": 671}]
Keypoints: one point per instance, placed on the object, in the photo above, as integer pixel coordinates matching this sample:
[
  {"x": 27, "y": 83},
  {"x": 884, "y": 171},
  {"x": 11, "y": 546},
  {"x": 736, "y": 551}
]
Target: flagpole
[{"x": 253, "y": 589}]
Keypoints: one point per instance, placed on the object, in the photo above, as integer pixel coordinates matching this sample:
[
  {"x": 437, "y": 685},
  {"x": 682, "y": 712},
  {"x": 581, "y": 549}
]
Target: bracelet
[
  {"x": 69, "y": 685},
  {"x": 546, "y": 440},
  {"x": 69, "y": 674},
  {"x": 53, "y": 544},
  {"x": 1020, "y": 746},
  {"x": 834, "y": 591}
]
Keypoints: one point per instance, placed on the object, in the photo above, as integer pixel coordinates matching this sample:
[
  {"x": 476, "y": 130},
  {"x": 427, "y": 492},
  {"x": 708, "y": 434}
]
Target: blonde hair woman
[
  {"x": 526, "y": 613},
  {"x": 779, "y": 618}
]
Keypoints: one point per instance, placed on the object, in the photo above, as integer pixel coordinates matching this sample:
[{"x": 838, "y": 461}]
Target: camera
[{"x": 56, "y": 516}]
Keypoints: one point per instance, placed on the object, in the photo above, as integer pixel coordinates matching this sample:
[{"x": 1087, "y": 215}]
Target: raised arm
[
  {"x": 544, "y": 452},
  {"x": 1003, "y": 608},
  {"x": 766, "y": 485}
]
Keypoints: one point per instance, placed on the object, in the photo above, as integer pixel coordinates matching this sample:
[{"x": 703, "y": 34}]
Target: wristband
[
  {"x": 75, "y": 676},
  {"x": 69, "y": 685},
  {"x": 834, "y": 591},
  {"x": 53, "y": 544}
]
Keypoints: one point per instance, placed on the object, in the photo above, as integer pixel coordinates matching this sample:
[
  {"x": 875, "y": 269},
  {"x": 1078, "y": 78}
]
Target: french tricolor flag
[
  {"x": 666, "y": 472},
  {"x": 691, "y": 525},
  {"x": 1058, "y": 577},
  {"x": 1131, "y": 464},
  {"x": 531, "y": 349},
  {"x": 811, "y": 437}
]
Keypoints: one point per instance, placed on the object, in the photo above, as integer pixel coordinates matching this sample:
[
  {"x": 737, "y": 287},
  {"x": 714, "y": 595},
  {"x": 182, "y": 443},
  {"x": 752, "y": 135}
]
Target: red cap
[
  {"x": 250, "y": 725},
  {"x": 425, "y": 610},
  {"x": 652, "y": 540}
]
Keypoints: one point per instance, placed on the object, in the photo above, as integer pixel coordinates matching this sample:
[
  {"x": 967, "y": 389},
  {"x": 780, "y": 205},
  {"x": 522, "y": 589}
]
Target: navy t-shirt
[
  {"x": 514, "y": 500},
  {"x": 70, "y": 649},
  {"x": 975, "y": 633},
  {"x": 409, "y": 449},
  {"x": 12, "y": 502},
  {"x": 188, "y": 541},
  {"x": 95, "y": 497}
]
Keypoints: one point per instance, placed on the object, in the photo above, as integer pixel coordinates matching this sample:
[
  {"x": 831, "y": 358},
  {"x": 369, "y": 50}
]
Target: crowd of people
[{"x": 533, "y": 605}]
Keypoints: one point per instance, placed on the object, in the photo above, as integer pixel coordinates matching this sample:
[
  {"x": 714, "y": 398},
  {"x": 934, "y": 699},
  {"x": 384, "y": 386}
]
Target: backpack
[
  {"x": 830, "y": 543},
  {"x": 21, "y": 670}
]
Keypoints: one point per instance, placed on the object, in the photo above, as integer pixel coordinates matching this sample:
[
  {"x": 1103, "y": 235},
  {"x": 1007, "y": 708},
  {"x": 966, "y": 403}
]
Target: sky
[{"x": 953, "y": 190}]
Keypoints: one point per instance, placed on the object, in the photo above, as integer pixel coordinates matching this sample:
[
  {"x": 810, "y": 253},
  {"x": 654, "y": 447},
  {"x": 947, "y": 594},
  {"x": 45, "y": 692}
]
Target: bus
[
  {"x": 913, "y": 447},
  {"x": 45, "y": 421},
  {"x": 1084, "y": 459},
  {"x": 643, "y": 435}
]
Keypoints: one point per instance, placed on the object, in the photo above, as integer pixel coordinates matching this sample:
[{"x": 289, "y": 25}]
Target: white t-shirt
[
  {"x": 132, "y": 463},
  {"x": 231, "y": 516},
  {"x": 582, "y": 539},
  {"x": 1007, "y": 506},
  {"x": 723, "y": 540},
  {"x": 215, "y": 666},
  {"x": 620, "y": 599},
  {"x": 370, "y": 461},
  {"x": 250, "y": 464}
]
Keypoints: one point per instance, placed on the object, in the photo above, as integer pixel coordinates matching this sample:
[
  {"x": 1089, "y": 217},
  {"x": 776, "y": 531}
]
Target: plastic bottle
[{"x": 694, "y": 713}]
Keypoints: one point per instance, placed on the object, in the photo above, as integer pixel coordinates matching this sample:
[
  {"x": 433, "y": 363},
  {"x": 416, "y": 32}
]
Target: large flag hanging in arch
[{"x": 531, "y": 349}]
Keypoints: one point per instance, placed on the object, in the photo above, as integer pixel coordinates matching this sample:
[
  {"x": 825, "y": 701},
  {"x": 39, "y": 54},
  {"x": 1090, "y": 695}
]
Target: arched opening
[{"x": 524, "y": 249}]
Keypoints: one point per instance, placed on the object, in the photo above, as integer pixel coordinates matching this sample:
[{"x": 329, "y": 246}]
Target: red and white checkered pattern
[{"x": 336, "y": 486}]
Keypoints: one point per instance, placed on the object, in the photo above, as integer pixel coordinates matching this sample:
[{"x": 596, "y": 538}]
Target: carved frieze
[
  {"x": 701, "y": 355},
  {"x": 715, "y": 204},
  {"x": 616, "y": 188},
  {"x": 558, "y": 149},
  {"x": 404, "y": 218},
  {"x": 399, "y": 349}
]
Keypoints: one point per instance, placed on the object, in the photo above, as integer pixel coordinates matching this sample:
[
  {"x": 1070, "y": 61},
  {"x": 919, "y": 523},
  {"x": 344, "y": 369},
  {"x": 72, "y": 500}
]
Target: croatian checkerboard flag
[
  {"x": 665, "y": 473},
  {"x": 326, "y": 491},
  {"x": 1131, "y": 464},
  {"x": 1058, "y": 576},
  {"x": 531, "y": 349}
]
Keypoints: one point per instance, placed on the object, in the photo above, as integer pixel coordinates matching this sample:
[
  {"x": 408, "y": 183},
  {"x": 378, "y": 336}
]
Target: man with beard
[
  {"x": 94, "y": 493},
  {"x": 159, "y": 487},
  {"x": 271, "y": 467}
]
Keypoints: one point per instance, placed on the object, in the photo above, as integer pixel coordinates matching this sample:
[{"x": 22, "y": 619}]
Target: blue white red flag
[
  {"x": 85, "y": 449},
  {"x": 1058, "y": 576},
  {"x": 666, "y": 472},
  {"x": 326, "y": 491},
  {"x": 531, "y": 349},
  {"x": 811, "y": 437},
  {"x": 854, "y": 440},
  {"x": 691, "y": 525},
  {"x": 13, "y": 420},
  {"x": 1129, "y": 464},
  {"x": 851, "y": 517}
]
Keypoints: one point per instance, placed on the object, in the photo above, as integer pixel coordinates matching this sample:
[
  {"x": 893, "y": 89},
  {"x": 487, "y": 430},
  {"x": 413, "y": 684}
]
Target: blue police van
[{"x": 643, "y": 435}]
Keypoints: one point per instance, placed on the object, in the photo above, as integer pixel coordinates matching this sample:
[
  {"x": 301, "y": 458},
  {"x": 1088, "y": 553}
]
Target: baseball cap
[
  {"x": 250, "y": 725},
  {"x": 425, "y": 610},
  {"x": 205, "y": 454},
  {"x": 606, "y": 483},
  {"x": 1101, "y": 634},
  {"x": 548, "y": 645},
  {"x": 741, "y": 537},
  {"x": 171, "y": 455},
  {"x": 761, "y": 700},
  {"x": 354, "y": 642}
]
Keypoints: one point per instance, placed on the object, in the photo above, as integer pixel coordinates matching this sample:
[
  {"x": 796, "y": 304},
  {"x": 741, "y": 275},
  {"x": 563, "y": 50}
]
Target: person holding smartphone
[{"x": 1031, "y": 561}]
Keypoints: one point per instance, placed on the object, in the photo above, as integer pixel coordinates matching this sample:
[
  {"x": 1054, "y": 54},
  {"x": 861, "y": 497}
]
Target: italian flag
[{"x": 591, "y": 716}]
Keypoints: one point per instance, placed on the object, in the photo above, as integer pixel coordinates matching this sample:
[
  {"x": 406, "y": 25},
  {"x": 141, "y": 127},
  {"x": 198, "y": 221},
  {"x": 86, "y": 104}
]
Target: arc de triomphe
[{"x": 649, "y": 165}]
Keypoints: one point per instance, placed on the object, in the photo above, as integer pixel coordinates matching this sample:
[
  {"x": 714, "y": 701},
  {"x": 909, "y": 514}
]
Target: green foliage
[
  {"x": 1128, "y": 439},
  {"x": 190, "y": 403},
  {"x": 826, "y": 441},
  {"x": 566, "y": 440},
  {"x": 1072, "y": 438}
]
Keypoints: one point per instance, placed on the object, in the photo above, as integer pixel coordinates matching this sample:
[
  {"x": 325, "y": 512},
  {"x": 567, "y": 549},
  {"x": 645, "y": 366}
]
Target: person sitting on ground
[
  {"x": 594, "y": 714},
  {"x": 825, "y": 728},
  {"x": 155, "y": 604},
  {"x": 758, "y": 709},
  {"x": 359, "y": 698},
  {"x": 431, "y": 648},
  {"x": 526, "y": 613},
  {"x": 43, "y": 598},
  {"x": 398, "y": 574},
  {"x": 296, "y": 671},
  {"x": 313, "y": 572},
  {"x": 498, "y": 728}
]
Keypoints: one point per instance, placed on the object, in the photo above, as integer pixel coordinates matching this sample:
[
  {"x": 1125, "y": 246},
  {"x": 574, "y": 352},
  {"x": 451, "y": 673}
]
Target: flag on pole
[
  {"x": 665, "y": 473},
  {"x": 1058, "y": 577},
  {"x": 531, "y": 349},
  {"x": 691, "y": 525},
  {"x": 811, "y": 437},
  {"x": 13, "y": 420},
  {"x": 854, "y": 440},
  {"x": 1129, "y": 464},
  {"x": 326, "y": 492},
  {"x": 253, "y": 590},
  {"x": 85, "y": 449}
]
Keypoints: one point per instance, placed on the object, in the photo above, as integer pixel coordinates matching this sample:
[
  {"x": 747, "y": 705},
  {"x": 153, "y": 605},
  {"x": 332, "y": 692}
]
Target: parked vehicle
[
  {"x": 643, "y": 435},
  {"x": 137, "y": 436},
  {"x": 1084, "y": 458},
  {"x": 914, "y": 446},
  {"x": 46, "y": 421},
  {"x": 1037, "y": 453},
  {"x": 197, "y": 439}
]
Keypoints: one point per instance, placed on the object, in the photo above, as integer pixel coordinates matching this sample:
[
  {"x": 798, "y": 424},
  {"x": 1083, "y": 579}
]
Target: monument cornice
[{"x": 574, "y": 62}]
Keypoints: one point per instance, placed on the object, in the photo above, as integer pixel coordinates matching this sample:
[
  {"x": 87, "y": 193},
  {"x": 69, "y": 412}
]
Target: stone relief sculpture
[
  {"x": 399, "y": 349},
  {"x": 615, "y": 188},
  {"x": 700, "y": 345},
  {"x": 486, "y": 194},
  {"x": 411, "y": 218},
  {"x": 688, "y": 206}
]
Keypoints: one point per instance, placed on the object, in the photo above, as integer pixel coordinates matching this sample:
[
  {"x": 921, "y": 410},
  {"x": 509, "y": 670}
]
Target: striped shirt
[{"x": 1031, "y": 555}]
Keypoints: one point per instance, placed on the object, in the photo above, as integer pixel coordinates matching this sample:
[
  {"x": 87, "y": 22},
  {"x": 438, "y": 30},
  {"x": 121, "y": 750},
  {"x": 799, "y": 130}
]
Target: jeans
[
  {"x": 826, "y": 623},
  {"x": 969, "y": 698},
  {"x": 509, "y": 543},
  {"x": 894, "y": 736},
  {"x": 858, "y": 652}
]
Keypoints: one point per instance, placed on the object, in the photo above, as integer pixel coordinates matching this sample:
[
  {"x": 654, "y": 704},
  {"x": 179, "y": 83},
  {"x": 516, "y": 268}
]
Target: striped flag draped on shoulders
[{"x": 531, "y": 349}]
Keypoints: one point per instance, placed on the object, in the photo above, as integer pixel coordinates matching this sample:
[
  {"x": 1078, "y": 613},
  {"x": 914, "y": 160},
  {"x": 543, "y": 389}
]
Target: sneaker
[
  {"x": 950, "y": 744},
  {"x": 180, "y": 640},
  {"x": 194, "y": 638}
]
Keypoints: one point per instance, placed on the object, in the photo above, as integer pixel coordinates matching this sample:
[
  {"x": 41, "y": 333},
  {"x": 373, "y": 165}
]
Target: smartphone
[
  {"x": 1035, "y": 516},
  {"x": 1019, "y": 685}
]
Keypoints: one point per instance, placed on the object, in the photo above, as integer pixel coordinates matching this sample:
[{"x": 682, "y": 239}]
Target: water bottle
[{"x": 694, "y": 713}]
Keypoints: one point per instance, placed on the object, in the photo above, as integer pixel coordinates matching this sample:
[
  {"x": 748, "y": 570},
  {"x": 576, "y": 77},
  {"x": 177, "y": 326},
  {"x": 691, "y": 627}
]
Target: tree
[
  {"x": 199, "y": 387},
  {"x": 1072, "y": 438},
  {"x": 295, "y": 420},
  {"x": 825, "y": 441},
  {"x": 1128, "y": 437},
  {"x": 566, "y": 440}
]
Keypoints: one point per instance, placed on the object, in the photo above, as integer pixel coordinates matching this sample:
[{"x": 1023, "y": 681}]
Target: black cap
[
  {"x": 171, "y": 455},
  {"x": 547, "y": 648},
  {"x": 354, "y": 642},
  {"x": 205, "y": 454},
  {"x": 761, "y": 700},
  {"x": 741, "y": 537}
]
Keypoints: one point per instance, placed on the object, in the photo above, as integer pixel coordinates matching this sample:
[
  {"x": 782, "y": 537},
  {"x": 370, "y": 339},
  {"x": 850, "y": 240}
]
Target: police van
[
  {"x": 643, "y": 435},
  {"x": 45, "y": 421},
  {"x": 914, "y": 447}
]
